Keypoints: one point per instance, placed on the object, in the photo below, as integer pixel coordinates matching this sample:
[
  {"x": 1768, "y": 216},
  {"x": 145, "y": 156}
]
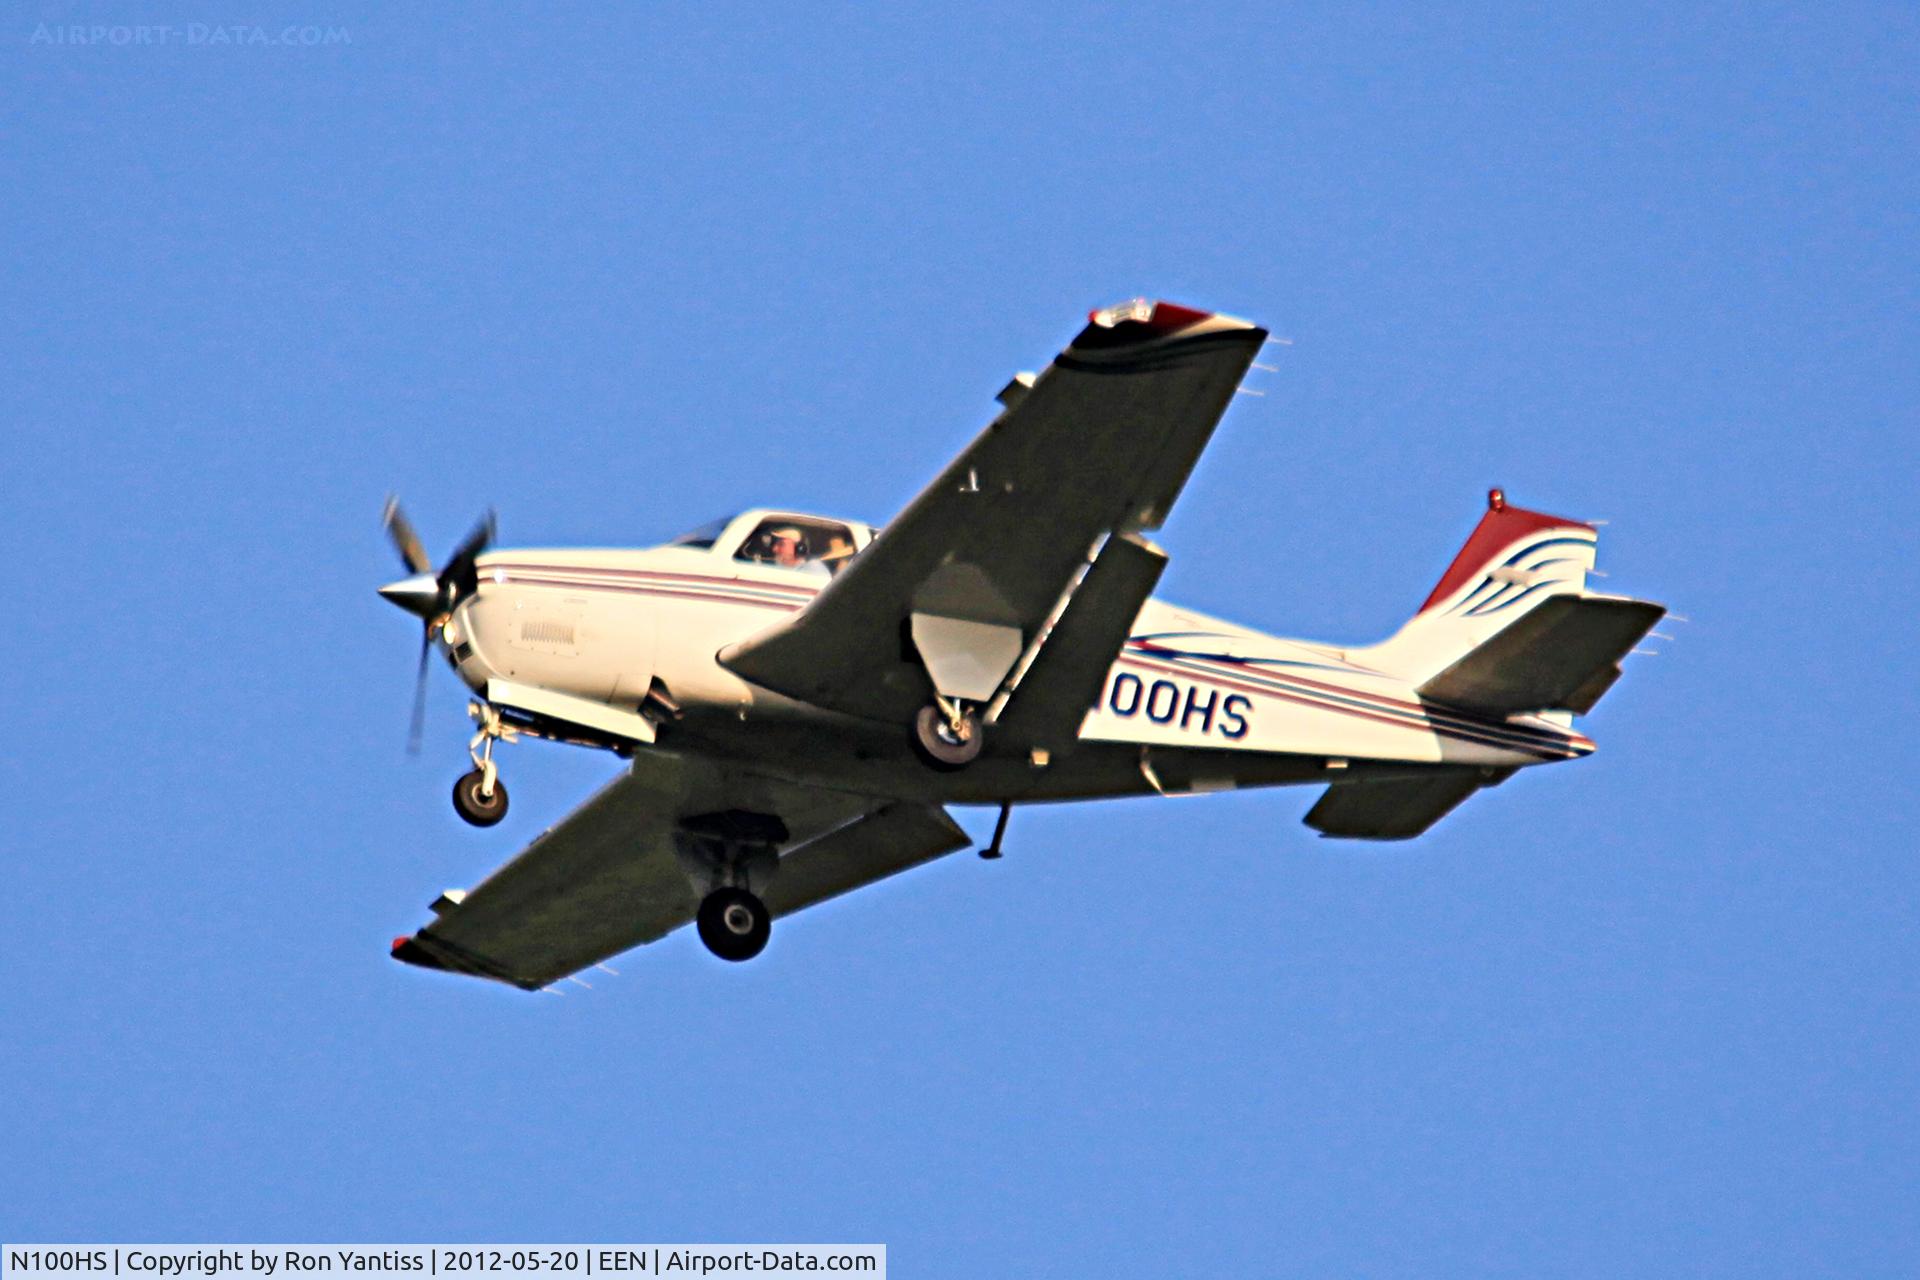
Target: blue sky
[{"x": 618, "y": 271}]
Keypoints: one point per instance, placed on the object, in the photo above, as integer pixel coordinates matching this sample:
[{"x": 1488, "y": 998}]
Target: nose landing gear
[
  {"x": 474, "y": 802},
  {"x": 479, "y": 796}
]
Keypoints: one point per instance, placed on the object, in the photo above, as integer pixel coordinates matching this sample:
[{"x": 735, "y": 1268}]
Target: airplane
[{"x": 799, "y": 697}]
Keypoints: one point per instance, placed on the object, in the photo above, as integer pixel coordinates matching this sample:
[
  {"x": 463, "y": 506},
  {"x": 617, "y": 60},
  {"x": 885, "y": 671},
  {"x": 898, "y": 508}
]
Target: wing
[
  {"x": 965, "y": 578},
  {"x": 608, "y": 877},
  {"x": 1395, "y": 808}
]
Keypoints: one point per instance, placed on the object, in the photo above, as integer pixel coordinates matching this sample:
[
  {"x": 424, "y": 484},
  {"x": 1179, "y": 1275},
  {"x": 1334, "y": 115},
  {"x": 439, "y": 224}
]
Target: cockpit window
[
  {"x": 703, "y": 537},
  {"x": 799, "y": 542}
]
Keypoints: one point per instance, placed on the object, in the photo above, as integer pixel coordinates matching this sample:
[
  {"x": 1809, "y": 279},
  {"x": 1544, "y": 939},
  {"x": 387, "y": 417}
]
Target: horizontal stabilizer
[
  {"x": 1395, "y": 808},
  {"x": 1562, "y": 655}
]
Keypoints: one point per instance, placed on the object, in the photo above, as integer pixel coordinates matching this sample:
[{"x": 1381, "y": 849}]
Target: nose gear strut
[{"x": 480, "y": 797}]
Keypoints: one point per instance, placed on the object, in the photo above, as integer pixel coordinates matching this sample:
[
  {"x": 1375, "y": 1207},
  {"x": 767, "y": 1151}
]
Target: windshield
[
  {"x": 799, "y": 542},
  {"x": 705, "y": 536}
]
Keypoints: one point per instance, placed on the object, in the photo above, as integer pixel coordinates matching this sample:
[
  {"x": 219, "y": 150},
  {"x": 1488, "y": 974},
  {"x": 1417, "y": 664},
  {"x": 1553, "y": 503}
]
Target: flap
[
  {"x": 872, "y": 848},
  {"x": 1068, "y": 675}
]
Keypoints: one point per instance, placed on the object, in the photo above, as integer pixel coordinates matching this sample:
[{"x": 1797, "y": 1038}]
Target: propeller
[
  {"x": 405, "y": 540},
  {"x": 429, "y": 595}
]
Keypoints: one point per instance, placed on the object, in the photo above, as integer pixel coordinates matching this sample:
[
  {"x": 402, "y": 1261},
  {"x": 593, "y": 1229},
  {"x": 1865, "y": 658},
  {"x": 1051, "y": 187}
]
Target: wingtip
[
  {"x": 1161, "y": 316},
  {"x": 407, "y": 951},
  {"x": 1144, "y": 321}
]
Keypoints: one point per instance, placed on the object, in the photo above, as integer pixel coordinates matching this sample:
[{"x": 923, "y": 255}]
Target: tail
[{"x": 1511, "y": 626}]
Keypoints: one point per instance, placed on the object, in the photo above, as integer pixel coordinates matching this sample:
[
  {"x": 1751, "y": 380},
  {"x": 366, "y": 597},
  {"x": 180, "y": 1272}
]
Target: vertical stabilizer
[{"x": 1514, "y": 561}]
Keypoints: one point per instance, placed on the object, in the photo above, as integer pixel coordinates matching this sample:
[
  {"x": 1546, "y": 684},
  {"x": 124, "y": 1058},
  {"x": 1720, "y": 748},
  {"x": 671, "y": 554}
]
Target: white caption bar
[{"x": 427, "y": 1261}]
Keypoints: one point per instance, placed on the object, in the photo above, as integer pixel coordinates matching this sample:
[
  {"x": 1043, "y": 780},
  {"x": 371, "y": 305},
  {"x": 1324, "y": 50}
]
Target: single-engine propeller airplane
[{"x": 799, "y": 696}]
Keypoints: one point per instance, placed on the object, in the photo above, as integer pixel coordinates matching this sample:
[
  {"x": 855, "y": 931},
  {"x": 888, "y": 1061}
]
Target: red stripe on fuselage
[
  {"x": 790, "y": 588},
  {"x": 716, "y": 596},
  {"x": 1411, "y": 725},
  {"x": 1425, "y": 711}
]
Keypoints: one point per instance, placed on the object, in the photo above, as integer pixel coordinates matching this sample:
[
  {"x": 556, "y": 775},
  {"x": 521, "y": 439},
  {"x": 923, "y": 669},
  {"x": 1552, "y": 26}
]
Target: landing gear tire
[
  {"x": 734, "y": 924},
  {"x": 480, "y": 810},
  {"x": 944, "y": 744}
]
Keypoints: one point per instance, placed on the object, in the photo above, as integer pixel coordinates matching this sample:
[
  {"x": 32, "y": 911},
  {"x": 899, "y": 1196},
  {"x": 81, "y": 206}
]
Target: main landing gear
[
  {"x": 734, "y": 923},
  {"x": 948, "y": 733},
  {"x": 479, "y": 796},
  {"x": 727, "y": 856}
]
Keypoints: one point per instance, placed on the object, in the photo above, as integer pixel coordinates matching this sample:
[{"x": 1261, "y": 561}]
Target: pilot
[{"x": 787, "y": 547}]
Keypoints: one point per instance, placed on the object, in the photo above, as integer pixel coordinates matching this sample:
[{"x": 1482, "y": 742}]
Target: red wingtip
[
  {"x": 1158, "y": 317},
  {"x": 1168, "y": 316},
  {"x": 398, "y": 943}
]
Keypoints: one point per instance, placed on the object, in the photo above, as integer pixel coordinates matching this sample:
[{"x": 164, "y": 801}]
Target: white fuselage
[{"x": 608, "y": 625}]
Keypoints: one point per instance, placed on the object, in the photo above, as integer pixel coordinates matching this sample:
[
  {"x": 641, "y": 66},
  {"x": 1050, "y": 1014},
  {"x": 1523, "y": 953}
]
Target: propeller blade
[
  {"x": 478, "y": 539},
  {"x": 420, "y": 694},
  {"x": 430, "y": 595},
  {"x": 459, "y": 571},
  {"x": 405, "y": 540}
]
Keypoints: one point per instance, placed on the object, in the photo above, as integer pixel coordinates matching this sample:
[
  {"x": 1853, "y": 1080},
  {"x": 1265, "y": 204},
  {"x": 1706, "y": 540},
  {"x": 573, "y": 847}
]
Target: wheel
[
  {"x": 940, "y": 744},
  {"x": 481, "y": 811},
  {"x": 734, "y": 924}
]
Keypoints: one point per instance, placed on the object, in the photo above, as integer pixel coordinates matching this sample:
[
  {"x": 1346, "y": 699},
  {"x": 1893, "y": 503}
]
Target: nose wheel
[
  {"x": 734, "y": 923},
  {"x": 479, "y": 797},
  {"x": 476, "y": 802}
]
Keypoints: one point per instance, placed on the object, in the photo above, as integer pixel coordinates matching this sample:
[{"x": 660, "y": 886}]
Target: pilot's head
[{"x": 787, "y": 545}]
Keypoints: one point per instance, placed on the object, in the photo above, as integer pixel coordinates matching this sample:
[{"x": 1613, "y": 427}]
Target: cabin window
[
  {"x": 799, "y": 542},
  {"x": 703, "y": 537}
]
